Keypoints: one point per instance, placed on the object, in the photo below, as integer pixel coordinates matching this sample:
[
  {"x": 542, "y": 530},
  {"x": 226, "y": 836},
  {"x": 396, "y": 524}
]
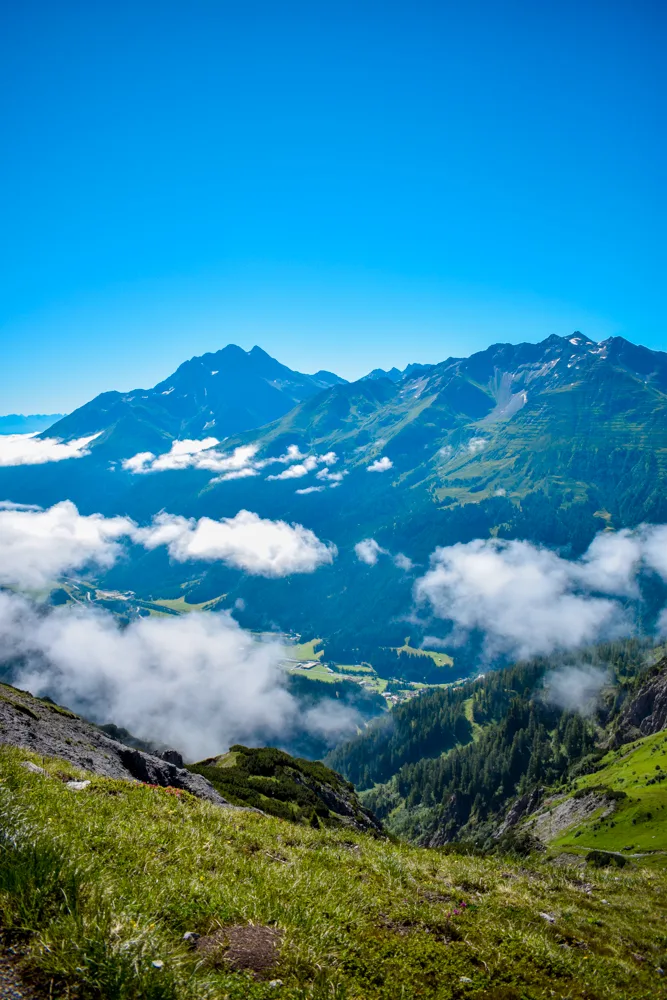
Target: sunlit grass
[{"x": 132, "y": 868}]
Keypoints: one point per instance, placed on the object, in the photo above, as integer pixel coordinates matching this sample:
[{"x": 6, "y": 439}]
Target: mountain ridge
[
  {"x": 215, "y": 394},
  {"x": 550, "y": 442}
]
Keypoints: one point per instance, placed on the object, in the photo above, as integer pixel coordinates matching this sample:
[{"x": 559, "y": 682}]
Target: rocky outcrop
[
  {"x": 646, "y": 712},
  {"x": 521, "y": 807},
  {"x": 557, "y": 816},
  {"x": 52, "y": 731}
]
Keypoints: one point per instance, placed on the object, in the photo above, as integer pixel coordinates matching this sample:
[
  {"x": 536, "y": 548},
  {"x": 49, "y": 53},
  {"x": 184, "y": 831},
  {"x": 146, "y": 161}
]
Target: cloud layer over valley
[
  {"x": 28, "y": 449},
  {"x": 198, "y": 682}
]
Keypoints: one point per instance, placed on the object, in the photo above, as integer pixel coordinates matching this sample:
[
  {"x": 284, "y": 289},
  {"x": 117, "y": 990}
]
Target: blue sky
[{"x": 346, "y": 184}]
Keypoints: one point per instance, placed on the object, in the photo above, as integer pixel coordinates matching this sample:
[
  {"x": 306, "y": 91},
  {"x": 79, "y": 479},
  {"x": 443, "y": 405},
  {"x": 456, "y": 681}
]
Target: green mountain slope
[
  {"x": 289, "y": 787},
  {"x": 451, "y": 763},
  {"x": 99, "y": 886},
  {"x": 621, "y": 807},
  {"x": 551, "y": 442}
]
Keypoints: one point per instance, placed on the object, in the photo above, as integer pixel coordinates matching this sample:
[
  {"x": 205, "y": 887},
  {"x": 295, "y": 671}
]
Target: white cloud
[
  {"x": 27, "y": 449},
  {"x": 240, "y": 463},
  {"x": 309, "y": 464},
  {"x": 476, "y": 445},
  {"x": 368, "y": 551},
  {"x": 380, "y": 465},
  {"x": 191, "y": 454},
  {"x": 528, "y": 600},
  {"x": 297, "y": 471},
  {"x": 331, "y": 477},
  {"x": 198, "y": 682},
  {"x": 525, "y": 599},
  {"x": 403, "y": 562},
  {"x": 37, "y": 546},
  {"x": 236, "y": 474},
  {"x": 141, "y": 462},
  {"x": 575, "y": 688},
  {"x": 246, "y": 541},
  {"x": 310, "y": 489}
]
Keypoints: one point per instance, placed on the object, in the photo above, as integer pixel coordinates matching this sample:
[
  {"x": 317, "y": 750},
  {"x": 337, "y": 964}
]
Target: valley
[{"x": 408, "y": 639}]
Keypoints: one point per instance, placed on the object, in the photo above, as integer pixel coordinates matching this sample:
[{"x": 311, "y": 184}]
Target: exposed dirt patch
[
  {"x": 12, "y": 986},
  {"x": 242, "y": 946}
]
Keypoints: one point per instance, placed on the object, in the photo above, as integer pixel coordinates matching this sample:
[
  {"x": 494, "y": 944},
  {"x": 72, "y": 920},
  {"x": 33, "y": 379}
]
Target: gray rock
[
  {"x": 646, "y": 712},
  {"x": 521, "y": 807},
  {"x": 171, "y": 756},
  {"x": 33, "y": 768},
  {"x": 77, "y": 786},
  {"x": 46, "y": 729}
]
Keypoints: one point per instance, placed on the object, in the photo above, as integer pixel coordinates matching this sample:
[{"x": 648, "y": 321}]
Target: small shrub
[{"x": 605, "y": 859}]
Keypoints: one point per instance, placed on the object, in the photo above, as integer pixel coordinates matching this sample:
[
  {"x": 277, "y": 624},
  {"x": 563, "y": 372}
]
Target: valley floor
[{"x": 101, "y": 883}]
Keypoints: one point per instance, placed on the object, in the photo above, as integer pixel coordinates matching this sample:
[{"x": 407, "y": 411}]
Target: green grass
[
  {"x": 307, "y": 650},
  {"x": 640, "y": 820},
  {"x": 317, "y": 673},
  {"x": 440, "y": 659},
  {"x": 101, "y": 883},
  {"x": 476, "y": 728},
  {"x": 181, "y": 605}
]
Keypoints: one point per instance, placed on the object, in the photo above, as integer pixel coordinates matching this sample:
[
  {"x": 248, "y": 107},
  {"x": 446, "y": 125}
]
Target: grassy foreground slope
[{"x": 103, "y": 882}]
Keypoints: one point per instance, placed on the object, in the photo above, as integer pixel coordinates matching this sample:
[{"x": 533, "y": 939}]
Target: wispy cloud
[
  {"x": 192, "y": 454},
  {"x": 476, "y": 445},
  {"x": 575, "y": 688},
  {"x": 240, "y": 463},
  {"x": 368, "y": 551},
  {"x": 27, "y": 449}
]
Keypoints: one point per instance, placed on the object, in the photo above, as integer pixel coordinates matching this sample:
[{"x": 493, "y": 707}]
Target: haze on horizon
[{"x": 348, "y": 186}]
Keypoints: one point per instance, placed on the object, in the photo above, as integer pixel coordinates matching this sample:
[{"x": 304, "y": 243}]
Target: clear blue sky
[{"x": 347, "y": 184}]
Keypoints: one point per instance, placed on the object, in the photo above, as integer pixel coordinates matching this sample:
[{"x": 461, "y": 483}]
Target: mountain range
[
  {"x": 19, "y": 423},
  {"x": 550, "y": 442}
]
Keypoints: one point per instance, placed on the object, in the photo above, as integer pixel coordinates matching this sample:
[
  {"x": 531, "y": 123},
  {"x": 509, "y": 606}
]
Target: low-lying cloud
[
  {"x": 191, "y": 454},
  {"x": 246, "y": 541},
  {"x": 28, "y": 449},
  {"x": 527, "y": 600},
  {"x": 575, "y": 688},
  {"x": 198, "y": 682},
  {"x": 239, "y": 463},
  {"x": 369, "y": 551},
  {"x": 38, "y": 546}
]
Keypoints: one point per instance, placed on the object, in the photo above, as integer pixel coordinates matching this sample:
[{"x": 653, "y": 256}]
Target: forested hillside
[{"x": 446, "y": 765}]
